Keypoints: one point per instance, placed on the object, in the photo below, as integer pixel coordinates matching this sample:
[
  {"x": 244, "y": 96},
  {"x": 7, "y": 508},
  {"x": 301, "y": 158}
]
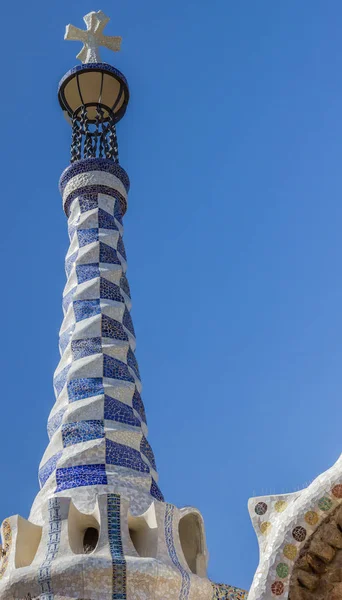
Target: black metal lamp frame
[{"x": 94, "y": 137}]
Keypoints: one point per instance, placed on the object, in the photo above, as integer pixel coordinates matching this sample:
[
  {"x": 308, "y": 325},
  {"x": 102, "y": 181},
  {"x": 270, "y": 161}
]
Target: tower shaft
[{"x": 97, "y": 427}]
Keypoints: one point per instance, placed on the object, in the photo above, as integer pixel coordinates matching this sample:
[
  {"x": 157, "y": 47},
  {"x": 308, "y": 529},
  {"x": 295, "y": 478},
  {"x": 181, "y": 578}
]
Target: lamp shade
[{"x": 91, "y": 85}]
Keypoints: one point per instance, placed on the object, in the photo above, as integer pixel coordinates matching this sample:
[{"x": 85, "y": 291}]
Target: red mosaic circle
[
  {"x": 261, "y": 508},
  {"x": 299, "y": 533},
  {"x": 277, "y": 588},
  {"x": 337, "y": 491}
]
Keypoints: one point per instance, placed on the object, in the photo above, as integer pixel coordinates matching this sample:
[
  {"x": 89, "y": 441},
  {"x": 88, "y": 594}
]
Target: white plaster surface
[
  {"x": 280, "y": 541},
  {"x": 93, "y": 37}
]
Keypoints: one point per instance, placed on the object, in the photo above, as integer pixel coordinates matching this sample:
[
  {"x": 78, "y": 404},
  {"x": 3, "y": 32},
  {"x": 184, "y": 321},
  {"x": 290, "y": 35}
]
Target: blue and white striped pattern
[
  {"x": 119, "y": 576},
  {"x": 97, "y": 427},
  {"x": 53, "y": 543},
  {"x": 169, "y": 538}
]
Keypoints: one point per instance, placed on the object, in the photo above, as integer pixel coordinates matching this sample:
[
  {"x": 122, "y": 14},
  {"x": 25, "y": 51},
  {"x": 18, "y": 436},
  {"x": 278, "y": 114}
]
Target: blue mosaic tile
[
  {"x": 61, "y": 379},
  {"x": 132, "y": 362},
  {"x": 64, "y": 339},
  {"x": 185, "y": 588},
  {"x": 106, "y": 221},
  {"x": 84, "y": 309},
  {"x": 80, "y": 475},
  {"x": 48, "y": 468},
  {"x": 96, "y": 67},
  {"x": 85, "y": 388},
  {"x": 116, "y": 369},
  {"x": 146, "y": 450},
  {"x": 87, "y": 236},
  {"x": 90, "y": 191},
  {"x": 119, "y": 210},
  {"x": 127, "y": 322},
  {"x": 87, "y": 201},
  {"x": 53, "y": 544},
  {"x": 87, "y": 165},
  {"x": 138, "y": 405},
  {"x": 86, "y": 347},
  {"x": 113, "y": 329},
  {"x": 121, "y": 248},
  {"x": 116, "y": 549},
  {"x": 108, "y": 254},
  {"x": 71, "y": 230},
  {"x": 68, "y": 299},
  {"x": 55, "y": 422},
  {"x": 81, "y": 431},
  {"x": 124, "y": 456},
  {"x": 87, "y": 272},
  {"x": 69, "y": 263},
  {"x": 124, "y": 285},
  {"x": 114, "y": 410},
  {"x": 110, "y": 291},
  {"x": 155, "y": 491}
]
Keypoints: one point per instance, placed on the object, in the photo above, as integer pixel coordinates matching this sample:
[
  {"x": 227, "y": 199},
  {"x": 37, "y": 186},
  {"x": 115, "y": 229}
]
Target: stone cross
[{"x": 93, "y": 37}]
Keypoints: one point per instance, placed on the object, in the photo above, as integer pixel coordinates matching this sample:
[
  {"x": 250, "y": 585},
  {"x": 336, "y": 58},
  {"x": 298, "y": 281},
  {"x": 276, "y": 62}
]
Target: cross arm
[
  {"x": 75, "y": 34},
  {"x": 96, "y": 21},
  {"x": 112, "y": 42}
]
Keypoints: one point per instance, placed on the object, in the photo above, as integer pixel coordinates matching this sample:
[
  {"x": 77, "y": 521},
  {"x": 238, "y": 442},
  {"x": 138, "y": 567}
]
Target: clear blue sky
[{"x": 233, "y": 143}]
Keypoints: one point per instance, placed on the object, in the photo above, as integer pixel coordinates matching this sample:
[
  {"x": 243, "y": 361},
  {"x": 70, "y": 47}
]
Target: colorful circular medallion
[
  {"x": 299, "y": 533},
  {"x": 325, "y": 504},
  {"x": 277, "y": 588},
  {"x": 280, "y": 506},
  {"x": 265, "y": 527},
  {"x": 290, "y": 551},
  {"x": 311, "y": 518},
  {"x": 337, "y": 491},
  {"x": 282, "y": 570},
  {"x": 261, "y": 508}
]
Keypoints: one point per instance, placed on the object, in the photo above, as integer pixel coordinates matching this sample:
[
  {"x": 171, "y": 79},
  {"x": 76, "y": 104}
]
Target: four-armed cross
[{"x": 93, "y": 37}]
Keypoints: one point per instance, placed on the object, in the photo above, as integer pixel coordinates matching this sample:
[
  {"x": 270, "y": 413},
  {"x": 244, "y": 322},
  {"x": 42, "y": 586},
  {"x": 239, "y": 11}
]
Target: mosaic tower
[{"x": 99, "y": 529}]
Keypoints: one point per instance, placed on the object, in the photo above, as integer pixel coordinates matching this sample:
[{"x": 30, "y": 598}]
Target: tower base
[{"x": 108, "y": 555}]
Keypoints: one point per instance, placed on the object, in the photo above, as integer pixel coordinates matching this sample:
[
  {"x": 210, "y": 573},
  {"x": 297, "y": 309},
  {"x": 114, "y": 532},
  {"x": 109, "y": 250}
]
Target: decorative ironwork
[{"x": 96, "y": 136}]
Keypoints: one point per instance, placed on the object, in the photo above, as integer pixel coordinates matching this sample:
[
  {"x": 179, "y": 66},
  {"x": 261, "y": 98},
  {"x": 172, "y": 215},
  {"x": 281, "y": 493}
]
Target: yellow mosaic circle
[
  {"x": 290, "y": 551},
  {"x": 265, "y": 527},
  {"x": 311, "y": 517},
  {"x": 280, "y": 506}
]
